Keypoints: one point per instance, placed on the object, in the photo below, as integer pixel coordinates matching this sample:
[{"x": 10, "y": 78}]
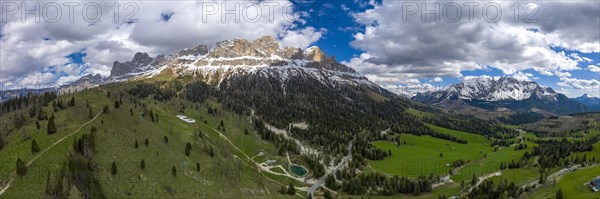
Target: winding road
[{"x": 345, "y": 160}]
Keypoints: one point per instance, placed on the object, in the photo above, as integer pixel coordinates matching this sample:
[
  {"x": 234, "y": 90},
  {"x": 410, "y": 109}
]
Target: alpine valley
[{"x": 251, "y": 119}]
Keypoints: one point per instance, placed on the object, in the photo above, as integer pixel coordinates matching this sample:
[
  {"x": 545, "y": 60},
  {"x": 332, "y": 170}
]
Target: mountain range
[{"x": 501, "y": 93}]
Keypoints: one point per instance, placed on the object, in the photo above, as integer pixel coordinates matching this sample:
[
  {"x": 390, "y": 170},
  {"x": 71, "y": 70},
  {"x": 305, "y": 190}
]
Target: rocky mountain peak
[
  {"x": 139, "y": 60},
  {"x": 142, "y": 58},
  {"x": 509, "y": 92},
  {"x": 266, "y": 43},
  {"x": 315, "y": 54},
  {"x": 261, "y": 47},
  {"x": 195, "y": 51}
]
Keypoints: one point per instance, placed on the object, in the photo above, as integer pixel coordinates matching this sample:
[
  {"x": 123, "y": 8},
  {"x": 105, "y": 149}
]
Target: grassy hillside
[
  {"x": 572, "y": 185},
  {"x": 226, "y": 168}
]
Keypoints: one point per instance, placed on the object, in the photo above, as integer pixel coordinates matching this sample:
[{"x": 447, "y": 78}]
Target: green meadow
[
  {"x": 572, "y": 185},
  {"x": 228, "y": 172}
]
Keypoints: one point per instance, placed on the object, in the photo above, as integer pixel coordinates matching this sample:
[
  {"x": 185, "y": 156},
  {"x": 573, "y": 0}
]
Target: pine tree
[
  {"x": 327, "y": 195},
  {"x": 72, "y": 102},
  {"x": 474, "y": 180},
  {"x": 135, "y": 145},
  {"x": 198, "y": 166},
  {"x": 211, "y": 152},
  {"x": 113, "y": 168},
  {"x": 166, "y": 139},
  {"x": 37, "y": 124},
  {"x": 90, "y": 113},
  {"x": 1, "y": 141},
  {"x": 51, "y": 125},
  {"x": 417, "y": 190},
  {"x": 282, "y": 190},
  {"x": 188, "y": 148},
  {"x": 291, "y": 190},
  {"x": 146, "y": 142},
  {"x": 49, "y": 187},
  {"x": 559, "y": 194},
  {"x": 173, "y": 171},
  {"x": 41, "y": 114},
  {"x": 143, "y": 164},
  {"x": 34, "y": 147},
  {"x": 21, "y": 168}
]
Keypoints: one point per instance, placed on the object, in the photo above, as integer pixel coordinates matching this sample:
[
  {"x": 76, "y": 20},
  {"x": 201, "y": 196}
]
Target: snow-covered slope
[
  {"x": 237, "y": 57},
  {"x": 500, "y": 88},
  {"x": 507, "y": 92}
]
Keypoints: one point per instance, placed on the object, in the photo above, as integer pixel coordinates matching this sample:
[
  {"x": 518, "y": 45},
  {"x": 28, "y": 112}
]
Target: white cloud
[
  {"x": 426, "y": 49},
  {"x": 410, "y": 87},
  {"x": 301, "y": 38},
  {"x": 521, "y": 76},
  {"x": 26, "y": 55},
  {"x": 593, "y": 68},
  {"x": 580, "y": 84}
]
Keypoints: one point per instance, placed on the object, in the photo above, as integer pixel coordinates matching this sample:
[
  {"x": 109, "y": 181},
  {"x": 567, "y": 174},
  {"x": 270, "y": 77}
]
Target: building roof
[{"x": 595, "y": 183}]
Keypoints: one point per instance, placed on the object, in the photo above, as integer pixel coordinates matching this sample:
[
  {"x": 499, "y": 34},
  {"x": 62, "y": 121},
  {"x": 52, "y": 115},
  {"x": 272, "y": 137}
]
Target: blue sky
[{"x": 557, "y": 50}]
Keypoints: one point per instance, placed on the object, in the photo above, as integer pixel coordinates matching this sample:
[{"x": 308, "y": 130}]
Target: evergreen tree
[
  {"x": 146, "y": 142},
  {"x": 21, "y": 168},
  {"x": 37, "y": 124},
  {"x": 72, "y": 102},
  {"x": 291, "y": 190},
  {"x": 1, "y": 141},
  {"x": 166, "y": 139},
  {"x": 117, "y": 104},
  {"x": 41, "y": 114},
  {"x": 559, "y": 194},
  {"x": 211, "y": 152},
  {"x": 327, "y": 195},
  {"x": 135, "y": 145},
  {"x": 174, "y": 171},
  {"x": 417, "y": 190},
  {"x": 198, "y": 166},
  {"x": 51, "y": 125},
  {"x": 188, "y": 148},
  {"x": 90, "y": 113},
  {"x": 113, "y": 168},
  {"x": 474, "y": 180},
  {"x": 34, "y": 146},
  {"x": 143, "y": 164},
  {"x": 282, "y": 190}
]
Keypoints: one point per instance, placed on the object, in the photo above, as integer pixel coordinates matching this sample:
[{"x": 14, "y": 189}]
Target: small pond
[{"x": 298, "y": 170}]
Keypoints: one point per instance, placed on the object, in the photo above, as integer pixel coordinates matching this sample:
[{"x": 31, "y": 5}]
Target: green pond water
[{"x": 298, "y": 170}]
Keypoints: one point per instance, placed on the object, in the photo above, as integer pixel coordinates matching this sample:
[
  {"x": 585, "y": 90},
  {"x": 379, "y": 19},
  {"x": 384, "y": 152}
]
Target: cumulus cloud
[
  {"x": 397, "y": 47},
  {"x": 521, "y": 76},
  {"x": 411, "y": 87},
  {"x": 36, "y": 52},
  {"x": 593, "y": 68},
  {"x": 580, "y": 84}
]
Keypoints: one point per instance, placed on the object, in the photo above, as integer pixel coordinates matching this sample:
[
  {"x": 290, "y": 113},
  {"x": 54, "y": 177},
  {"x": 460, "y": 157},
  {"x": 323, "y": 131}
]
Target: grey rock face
[{"x": 139, "y": 60}]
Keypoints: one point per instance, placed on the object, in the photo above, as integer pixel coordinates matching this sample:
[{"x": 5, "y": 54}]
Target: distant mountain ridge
[
  {"x": 236, "y": 57},
  {"x": 592, "y": 102},
  {"x": 492, "y": 93}
]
